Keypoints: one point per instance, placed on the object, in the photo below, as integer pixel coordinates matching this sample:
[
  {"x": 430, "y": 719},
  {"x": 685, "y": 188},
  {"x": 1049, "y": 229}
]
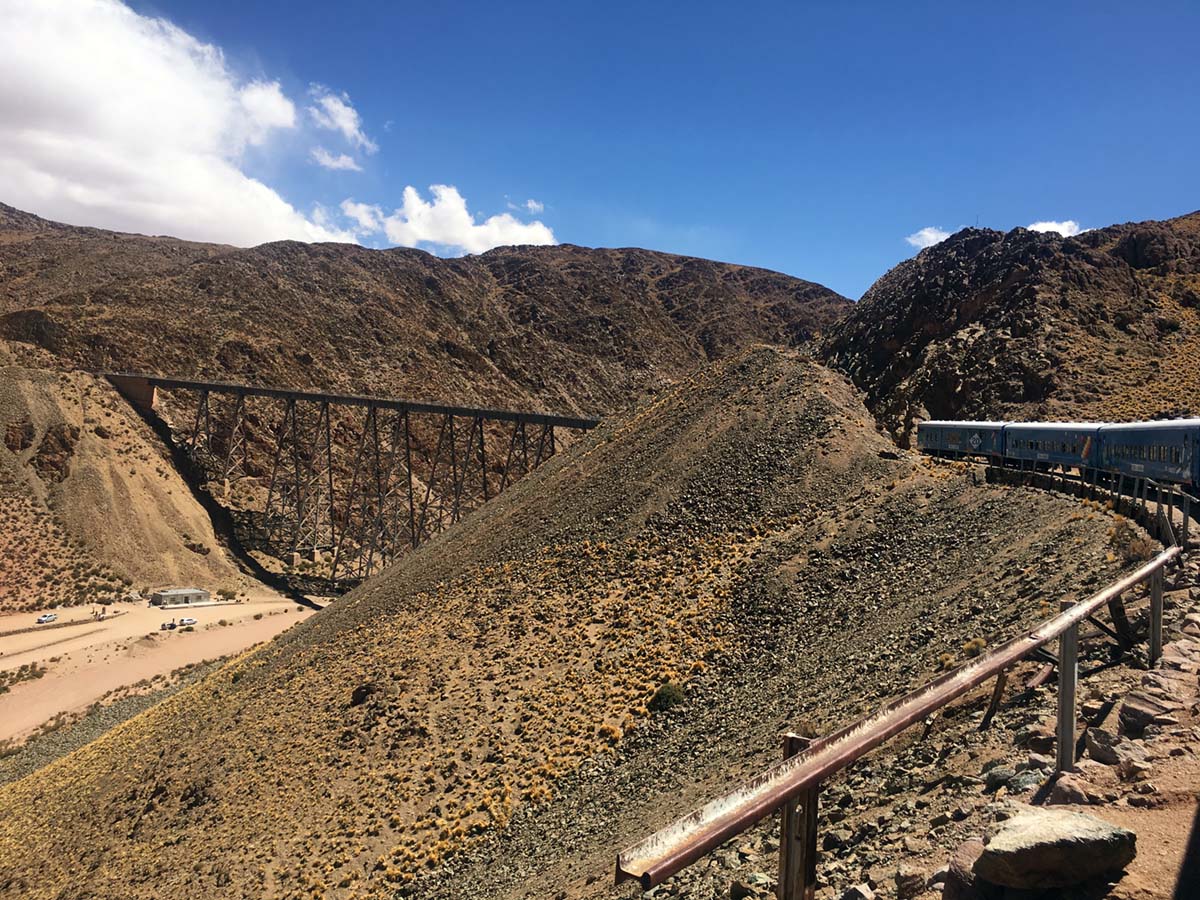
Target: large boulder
[{"x": 1047, "y": 848}]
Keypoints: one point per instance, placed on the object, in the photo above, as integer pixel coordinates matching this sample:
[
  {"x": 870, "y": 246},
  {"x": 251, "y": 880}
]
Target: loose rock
[
  {"x": 960, "y": 876},
  {"x": 1039, "y": 848}
]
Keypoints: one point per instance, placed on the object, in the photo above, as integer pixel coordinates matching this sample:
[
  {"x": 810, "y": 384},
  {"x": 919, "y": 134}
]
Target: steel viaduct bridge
[{"x": 338, "y": 483}]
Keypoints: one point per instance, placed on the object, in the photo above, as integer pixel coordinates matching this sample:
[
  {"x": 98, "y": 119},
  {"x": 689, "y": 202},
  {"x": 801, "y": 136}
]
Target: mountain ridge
[
  {"x": 1104, "y": 324},
  {"x": 615, "y": 324}
]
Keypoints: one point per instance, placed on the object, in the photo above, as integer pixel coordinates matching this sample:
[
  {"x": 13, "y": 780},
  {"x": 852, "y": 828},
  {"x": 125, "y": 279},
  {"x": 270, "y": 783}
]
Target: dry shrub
[{"x": 1128, "y": 544}]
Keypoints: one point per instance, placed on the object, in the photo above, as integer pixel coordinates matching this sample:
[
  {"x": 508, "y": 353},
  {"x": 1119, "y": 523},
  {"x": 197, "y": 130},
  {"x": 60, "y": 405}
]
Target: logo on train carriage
[
  {"x": 975, "y": 440},
  {"x": 1087, "y": 448}
]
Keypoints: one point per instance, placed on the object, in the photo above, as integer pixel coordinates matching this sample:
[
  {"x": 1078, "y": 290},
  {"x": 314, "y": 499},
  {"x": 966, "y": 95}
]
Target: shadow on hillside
[{"x": 1188, "y": 886}]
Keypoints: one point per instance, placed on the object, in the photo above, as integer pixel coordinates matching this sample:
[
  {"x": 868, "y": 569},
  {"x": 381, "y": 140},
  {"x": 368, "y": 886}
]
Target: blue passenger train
[{"x": 1167, "y": 451}]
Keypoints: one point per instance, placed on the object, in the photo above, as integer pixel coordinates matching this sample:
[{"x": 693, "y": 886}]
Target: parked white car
[
  {"x": 186, "y": 620},
  {"x": 46, "y": 618}
]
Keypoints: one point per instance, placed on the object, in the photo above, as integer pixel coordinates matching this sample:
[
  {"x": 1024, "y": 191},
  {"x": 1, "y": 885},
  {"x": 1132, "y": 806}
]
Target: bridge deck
[{"x": 223, "y": 387}]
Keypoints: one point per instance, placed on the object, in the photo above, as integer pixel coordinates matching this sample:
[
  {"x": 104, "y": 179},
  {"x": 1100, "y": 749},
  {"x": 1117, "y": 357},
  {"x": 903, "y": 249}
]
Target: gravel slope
[{"x": 477, "y": 721}]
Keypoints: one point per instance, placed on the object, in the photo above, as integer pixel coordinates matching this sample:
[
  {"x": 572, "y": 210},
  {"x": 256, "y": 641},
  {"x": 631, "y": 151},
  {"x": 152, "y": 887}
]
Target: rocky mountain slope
[
  {"x": 566, "y": 669},
  {"x": 560, "y": 328},
  {"x": 564, "y": 328},
  {"x": 1104, "y": 325},
  {"x": 91, "y": 507}
]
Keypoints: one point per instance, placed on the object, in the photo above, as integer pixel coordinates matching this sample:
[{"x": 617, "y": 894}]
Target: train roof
[
  {"x": 1054, "y": 426},
  {"x": 963, "y": 424},
  {"x": 1157, "y": 425}
]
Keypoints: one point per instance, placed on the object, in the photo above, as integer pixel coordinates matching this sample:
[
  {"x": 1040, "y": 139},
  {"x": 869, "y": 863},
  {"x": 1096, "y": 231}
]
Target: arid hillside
[
  {"x": 567, "y": 668},
  {"x": 557, "y": 328},
  {"x": 1105, "y": 325},
  {"x": 563, "y": 328},
  {"x": 91, "y": 505}
]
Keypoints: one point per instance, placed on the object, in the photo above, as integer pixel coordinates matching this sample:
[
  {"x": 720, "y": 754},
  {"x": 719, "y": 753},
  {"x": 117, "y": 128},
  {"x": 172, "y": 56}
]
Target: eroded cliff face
[
  {"x": 90, "y": 507},
  {"x": 1023, "y": 324}
]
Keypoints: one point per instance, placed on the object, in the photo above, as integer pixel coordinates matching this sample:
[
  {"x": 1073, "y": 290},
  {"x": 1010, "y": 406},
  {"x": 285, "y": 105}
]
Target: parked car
[
  {"x": 46, "y": 618},
  {"x": 186, "y": 620},
  {"x": 168, "y": 626}
]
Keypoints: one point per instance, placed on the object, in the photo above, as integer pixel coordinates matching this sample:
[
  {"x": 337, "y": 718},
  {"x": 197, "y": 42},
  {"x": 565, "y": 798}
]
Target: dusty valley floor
[{"x": 81, "y": 658}]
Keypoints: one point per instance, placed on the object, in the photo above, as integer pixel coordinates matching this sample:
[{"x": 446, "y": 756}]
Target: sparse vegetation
[
  {"x": 668, "y": 694},
  {"x": 1128, "y": 542},
  {"x": 974, "y": 647},
  {"x": 516, "y": 653},
  {"x": 26, "y": 672}
]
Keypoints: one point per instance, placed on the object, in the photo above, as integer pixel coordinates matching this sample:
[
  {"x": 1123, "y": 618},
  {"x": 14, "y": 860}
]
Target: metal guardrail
[{"x": 793, "y": 785}]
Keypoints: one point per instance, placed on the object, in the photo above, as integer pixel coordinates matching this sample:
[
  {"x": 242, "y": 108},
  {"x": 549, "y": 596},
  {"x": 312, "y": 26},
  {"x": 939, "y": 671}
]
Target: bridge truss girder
[{"x": 355, "y": 483}]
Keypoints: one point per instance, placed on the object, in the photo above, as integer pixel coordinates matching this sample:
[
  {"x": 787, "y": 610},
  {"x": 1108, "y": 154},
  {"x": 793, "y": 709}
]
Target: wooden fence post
[
  {"x": 1171, "y": 511},
  {"x": 994, "y": 703},
  {"x": 1068, "y": 675},
  {"x": 798, "y": 836},
  {"x": 1156, "y": 615}
]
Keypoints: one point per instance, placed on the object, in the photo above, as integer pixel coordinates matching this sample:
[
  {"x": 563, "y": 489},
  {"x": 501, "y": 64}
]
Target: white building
[{"x": 179, "y": 597}]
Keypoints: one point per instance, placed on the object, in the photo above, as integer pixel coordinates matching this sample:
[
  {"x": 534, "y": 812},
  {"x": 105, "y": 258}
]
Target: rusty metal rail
[{"x": 794, "y": 783}]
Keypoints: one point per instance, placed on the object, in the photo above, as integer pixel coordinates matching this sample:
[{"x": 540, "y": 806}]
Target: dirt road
[{"x": 90, "y": 657}]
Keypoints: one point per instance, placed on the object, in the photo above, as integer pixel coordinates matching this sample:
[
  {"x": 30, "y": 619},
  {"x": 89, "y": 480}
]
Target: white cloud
[
  {"x": 368, "y": 218},
  {"x": 927, "y": 237},
  {"x": 445, "y": 223},
  {"x": 335, "y": 113},
  {"x": 111, "y": 118},
  {"x": 266, "y": 108},
  {"x": 124, "y": 121},
  {"x": 1069, "y": 228},
  {"x": 323, "y": 157},
  {"x": 531, "y": 206}
]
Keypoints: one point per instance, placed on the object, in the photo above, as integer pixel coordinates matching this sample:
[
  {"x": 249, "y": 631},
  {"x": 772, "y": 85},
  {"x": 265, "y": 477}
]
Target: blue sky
[{"x": 808, "y": 139}]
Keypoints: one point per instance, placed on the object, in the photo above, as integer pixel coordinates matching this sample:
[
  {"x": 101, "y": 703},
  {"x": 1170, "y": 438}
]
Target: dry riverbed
[{"x": 88, "y": 659}]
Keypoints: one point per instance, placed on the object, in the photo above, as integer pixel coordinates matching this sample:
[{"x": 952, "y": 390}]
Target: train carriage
[
  {"x": 961, "y": 438},
  {"x": 1071, "y": 444},
  {"x": 1167, "y": 451}
]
